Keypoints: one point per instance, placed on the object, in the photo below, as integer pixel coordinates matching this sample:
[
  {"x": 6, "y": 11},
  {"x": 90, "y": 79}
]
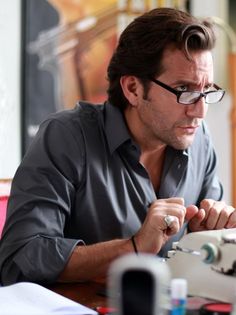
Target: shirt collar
[
  {"x": 185, "y": 152},
  {"x": 115, "y": 127}
]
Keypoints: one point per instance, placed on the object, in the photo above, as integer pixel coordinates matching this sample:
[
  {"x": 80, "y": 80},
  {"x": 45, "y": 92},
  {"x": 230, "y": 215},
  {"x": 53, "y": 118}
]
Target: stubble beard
[{"x": 178, "y": 143}]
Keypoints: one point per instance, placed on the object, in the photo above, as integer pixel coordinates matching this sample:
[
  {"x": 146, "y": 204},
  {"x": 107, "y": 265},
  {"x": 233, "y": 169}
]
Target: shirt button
[{"x": 179, "y": 166}]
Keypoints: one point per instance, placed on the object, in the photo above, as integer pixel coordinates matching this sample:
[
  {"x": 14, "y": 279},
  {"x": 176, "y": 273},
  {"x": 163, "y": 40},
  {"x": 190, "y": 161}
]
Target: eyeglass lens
[{"x": 192, "y": 97}]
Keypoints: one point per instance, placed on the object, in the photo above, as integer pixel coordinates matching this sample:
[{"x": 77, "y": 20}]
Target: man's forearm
[{"x": 89, "y": 262}]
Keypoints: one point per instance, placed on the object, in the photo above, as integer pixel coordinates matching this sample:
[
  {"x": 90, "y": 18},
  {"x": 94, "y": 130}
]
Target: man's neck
[
  {"x": 149, "y": 145},
  {"x": 152, "y": 150},
  {"x": 153, "y": 161}
]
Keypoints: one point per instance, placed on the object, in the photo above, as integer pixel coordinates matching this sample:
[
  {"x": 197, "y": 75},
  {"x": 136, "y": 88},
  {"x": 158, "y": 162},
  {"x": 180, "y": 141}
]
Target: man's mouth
[{"x": 189, "y": 129}]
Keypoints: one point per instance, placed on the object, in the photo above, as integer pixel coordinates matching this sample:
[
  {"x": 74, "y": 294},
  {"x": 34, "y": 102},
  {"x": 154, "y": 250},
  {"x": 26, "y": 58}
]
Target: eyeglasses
[{"x": 192, "y": 97}]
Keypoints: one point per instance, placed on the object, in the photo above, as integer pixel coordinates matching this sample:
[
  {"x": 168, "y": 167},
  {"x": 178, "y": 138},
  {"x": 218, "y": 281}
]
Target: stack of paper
[{"x": 26, "y": 298}]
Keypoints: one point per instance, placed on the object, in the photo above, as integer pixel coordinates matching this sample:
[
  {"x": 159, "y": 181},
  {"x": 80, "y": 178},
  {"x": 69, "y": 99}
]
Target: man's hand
[
  {"x": 155, "y": 231},
  {"x": 212, "y": 215}
]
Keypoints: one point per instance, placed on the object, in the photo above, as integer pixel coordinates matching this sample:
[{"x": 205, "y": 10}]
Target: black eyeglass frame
[{"x": 179, "y": 93}]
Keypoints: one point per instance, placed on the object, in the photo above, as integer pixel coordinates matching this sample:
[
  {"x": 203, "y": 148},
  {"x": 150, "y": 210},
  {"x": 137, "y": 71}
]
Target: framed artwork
[{"x": 67, "y": 45}]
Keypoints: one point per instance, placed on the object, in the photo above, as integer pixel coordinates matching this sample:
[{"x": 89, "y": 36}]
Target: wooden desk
[{"x": 88, "y": 294}]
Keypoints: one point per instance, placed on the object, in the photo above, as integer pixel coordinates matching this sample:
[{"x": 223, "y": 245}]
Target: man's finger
[
  {"x": 191, "y": 211},
  {"x": 177, "y": 200},
  {"x": 196, "y": 223},
  {"x": 232, "y": 220}
]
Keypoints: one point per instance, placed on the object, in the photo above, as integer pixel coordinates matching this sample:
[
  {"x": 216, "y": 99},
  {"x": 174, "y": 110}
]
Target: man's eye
[
  {"x": 182, "y": 88},
  {"x": 208, "y": 88}
]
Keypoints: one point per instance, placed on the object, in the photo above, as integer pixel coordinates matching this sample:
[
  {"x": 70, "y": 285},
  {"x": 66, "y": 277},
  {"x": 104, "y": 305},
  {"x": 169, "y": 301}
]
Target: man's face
[{"x": 165, "y": 121}]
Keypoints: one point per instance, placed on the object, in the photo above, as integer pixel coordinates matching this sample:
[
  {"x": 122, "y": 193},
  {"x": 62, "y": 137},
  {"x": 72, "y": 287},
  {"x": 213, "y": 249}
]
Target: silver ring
[{"x": 169, "y": 219}]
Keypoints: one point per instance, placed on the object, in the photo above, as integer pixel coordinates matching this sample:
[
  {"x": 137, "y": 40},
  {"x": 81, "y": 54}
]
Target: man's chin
[{"x": 183, "y": 143}]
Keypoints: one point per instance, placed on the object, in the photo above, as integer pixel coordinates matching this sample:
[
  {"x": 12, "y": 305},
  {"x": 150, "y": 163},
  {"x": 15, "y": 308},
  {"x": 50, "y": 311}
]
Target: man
[{"x": 140, "y": 165}]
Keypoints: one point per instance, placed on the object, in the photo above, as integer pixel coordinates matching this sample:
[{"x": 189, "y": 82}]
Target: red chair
[{"x": 5, "y": 187}]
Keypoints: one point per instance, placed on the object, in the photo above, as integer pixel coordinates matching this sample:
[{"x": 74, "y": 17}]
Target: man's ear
[{"x": 131, "y": 88}]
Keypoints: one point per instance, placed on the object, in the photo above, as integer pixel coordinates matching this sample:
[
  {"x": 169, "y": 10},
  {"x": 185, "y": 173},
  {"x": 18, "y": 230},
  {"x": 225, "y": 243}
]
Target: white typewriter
[{"x": 207, "y": 260}]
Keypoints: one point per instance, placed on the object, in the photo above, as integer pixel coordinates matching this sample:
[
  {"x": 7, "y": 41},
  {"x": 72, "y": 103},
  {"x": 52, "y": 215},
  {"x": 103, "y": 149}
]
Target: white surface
[
  {"x": 219, "y": 125},
  {"x": 29, "y": 298},
  {"x": 218, "y": 116}
]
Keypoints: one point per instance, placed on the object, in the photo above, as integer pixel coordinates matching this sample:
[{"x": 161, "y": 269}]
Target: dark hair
[{"x": 142, "y": 43}]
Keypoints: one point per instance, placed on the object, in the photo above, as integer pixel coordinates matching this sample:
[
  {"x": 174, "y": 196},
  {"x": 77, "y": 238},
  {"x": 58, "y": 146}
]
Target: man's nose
[{"x": 198, "y": 109}]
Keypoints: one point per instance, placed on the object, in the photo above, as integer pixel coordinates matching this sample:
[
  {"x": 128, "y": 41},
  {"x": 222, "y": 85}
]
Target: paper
[{"x": 26, "y": 298}]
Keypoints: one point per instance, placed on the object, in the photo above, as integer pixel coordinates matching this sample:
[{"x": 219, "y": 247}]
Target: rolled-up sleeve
[{"x": 33, "y": 246}]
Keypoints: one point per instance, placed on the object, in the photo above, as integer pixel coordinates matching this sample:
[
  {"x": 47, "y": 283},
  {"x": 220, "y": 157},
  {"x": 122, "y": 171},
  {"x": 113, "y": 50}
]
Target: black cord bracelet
[{"x": 134, "y": 244}]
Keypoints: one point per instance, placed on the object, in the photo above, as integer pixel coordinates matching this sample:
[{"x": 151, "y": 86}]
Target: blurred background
[{"x": 55, "y": 52}]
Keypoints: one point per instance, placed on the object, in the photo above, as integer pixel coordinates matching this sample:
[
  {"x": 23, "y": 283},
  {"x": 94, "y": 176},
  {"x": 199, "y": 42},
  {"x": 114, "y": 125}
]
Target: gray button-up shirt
[{"x": 81, "y": 181}]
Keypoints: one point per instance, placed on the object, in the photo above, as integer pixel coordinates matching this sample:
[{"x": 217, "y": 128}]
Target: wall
[
  {"x": 218, "y": 117},
  {"x": 9, "y": 87}
]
